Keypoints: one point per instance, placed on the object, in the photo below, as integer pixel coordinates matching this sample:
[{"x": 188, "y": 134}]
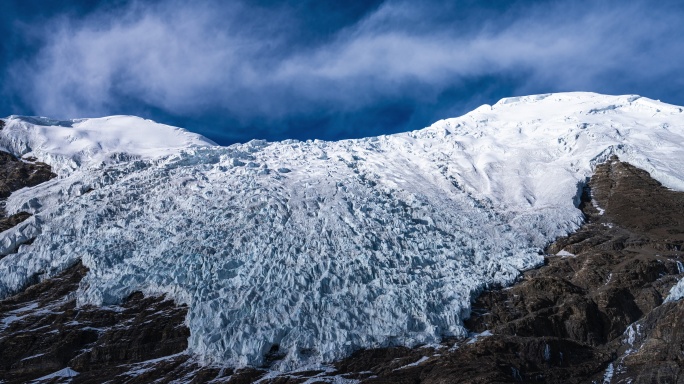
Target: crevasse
[{"x": 322, "y": 248}]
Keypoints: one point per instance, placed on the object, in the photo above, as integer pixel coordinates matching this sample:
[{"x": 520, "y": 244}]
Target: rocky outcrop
[
  {"x": 7, "y": 222},
  {"x": 594, "y": 312},
  {"x": 44, "y": 336},
  {"x": 16, "y": 174},
  {"x": 652, "y": 349},
  {"x": 42, "y": 332}
]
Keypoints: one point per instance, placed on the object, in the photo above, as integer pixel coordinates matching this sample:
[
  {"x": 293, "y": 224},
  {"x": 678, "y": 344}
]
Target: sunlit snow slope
[
  {"x": 323, "y": 247},
  {"x": 66, "y": 145}
]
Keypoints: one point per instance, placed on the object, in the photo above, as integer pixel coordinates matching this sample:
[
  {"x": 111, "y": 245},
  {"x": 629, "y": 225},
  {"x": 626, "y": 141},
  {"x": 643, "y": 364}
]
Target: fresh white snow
[
  {"x": 474, "y": 337},
  {"x": 414, "y": 364},
  {"x": 69, "y": 144},
  {"x": 608, "y": 375},
  {"x": 323, "y": 247},
  {"x": 632, "y": 333},
  {"x": 676, "y": 292},
  {"x": 62, "y": 373}
]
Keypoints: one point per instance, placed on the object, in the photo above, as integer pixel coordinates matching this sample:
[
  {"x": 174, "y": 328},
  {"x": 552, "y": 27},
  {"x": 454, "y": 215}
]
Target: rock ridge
[
  {"x": 16, "y": 174},
  {"x": 594, "y": 312}
]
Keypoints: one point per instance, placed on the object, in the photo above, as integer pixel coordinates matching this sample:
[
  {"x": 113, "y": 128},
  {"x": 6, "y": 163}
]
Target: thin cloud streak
[{"x": 243, "y": 61}]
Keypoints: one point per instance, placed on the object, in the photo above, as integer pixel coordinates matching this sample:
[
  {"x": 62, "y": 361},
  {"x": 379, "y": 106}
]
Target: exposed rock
[
  {"x": 7, "y": 222},
  {"x": 16, "y": 174},
  {"x": 595, "y": 311},
  {"x": 140, "y": 341},
  {"x": 42, "y": 332},
  {"x": 652, "y": 349},
  {"x": 565, "y": 322}
]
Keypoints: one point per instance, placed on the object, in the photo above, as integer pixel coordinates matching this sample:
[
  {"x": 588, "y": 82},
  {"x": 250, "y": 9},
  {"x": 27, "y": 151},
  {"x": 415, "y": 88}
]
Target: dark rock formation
[
  {"x": 140, "y": 341},
  {"x": 7, "y": 222},
  {"x": 567, "y": 322},
  {"x": 16, "y": 174},
  {"x": 42, "y": 332},
  {"x": 596, "y": 313}
]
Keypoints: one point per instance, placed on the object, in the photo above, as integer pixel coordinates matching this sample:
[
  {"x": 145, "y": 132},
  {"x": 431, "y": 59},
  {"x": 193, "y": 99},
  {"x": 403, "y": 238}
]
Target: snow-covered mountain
[
  {"x": 321, "y": 248},
  {"x": 68, "y": 145}
]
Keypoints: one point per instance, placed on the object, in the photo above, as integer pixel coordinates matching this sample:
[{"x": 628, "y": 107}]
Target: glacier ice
[{"x": 322, "y": 248}]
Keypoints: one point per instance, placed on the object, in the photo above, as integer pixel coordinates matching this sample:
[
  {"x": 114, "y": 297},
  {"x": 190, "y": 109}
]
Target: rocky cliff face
[
  {"x": 16, "y": 174},
  {"x": 595, "y": 312},
  {"x": 43, "y": 332}
]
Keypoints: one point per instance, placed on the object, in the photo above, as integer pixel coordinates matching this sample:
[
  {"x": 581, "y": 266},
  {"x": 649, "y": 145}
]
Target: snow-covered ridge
[
  {"x": 69, "y": 144},
  {"x": 326, "y": 247}
]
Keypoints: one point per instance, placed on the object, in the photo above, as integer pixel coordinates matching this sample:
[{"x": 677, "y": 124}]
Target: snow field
[{"x": 322, "y": 248}]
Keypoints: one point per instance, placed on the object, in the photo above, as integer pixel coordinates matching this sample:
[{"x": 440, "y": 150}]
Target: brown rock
[
  {"x": 46, "y": 332},
  {"x": 10, "y": 221},
  {"x": 16, "y": 174},
  {"x": 565, "y": 322}
]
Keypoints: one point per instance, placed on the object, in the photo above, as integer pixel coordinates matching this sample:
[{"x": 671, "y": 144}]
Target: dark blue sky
[{"x": 235, "y": 71}]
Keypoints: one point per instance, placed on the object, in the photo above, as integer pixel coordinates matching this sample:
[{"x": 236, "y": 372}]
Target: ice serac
[{"x": 306, "y": 251}]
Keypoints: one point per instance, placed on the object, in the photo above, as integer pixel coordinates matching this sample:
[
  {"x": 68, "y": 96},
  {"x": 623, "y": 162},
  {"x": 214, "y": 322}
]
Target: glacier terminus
[{"x": 317, "y": 249}]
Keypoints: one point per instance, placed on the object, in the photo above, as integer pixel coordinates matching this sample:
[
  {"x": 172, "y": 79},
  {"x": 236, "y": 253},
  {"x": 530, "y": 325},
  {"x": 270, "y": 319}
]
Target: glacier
[{"x": 316, "y": 249}]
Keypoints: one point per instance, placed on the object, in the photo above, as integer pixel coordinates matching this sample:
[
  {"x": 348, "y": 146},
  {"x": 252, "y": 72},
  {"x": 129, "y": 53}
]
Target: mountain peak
[
  {"x": 322, "y": 248},
  {"x": 67, "y": 144}
]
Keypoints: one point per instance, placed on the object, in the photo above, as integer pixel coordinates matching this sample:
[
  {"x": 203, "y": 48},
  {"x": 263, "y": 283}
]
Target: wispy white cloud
[{"x": 187, "y": 59}]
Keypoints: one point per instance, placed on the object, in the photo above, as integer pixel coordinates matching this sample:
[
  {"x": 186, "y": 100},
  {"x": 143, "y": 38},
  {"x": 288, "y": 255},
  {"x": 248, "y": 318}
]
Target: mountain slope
[
  {"x": 312, "y": 250},
  {"x": 593, "y": 315},
  {"x": 69, "y": 144}
]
